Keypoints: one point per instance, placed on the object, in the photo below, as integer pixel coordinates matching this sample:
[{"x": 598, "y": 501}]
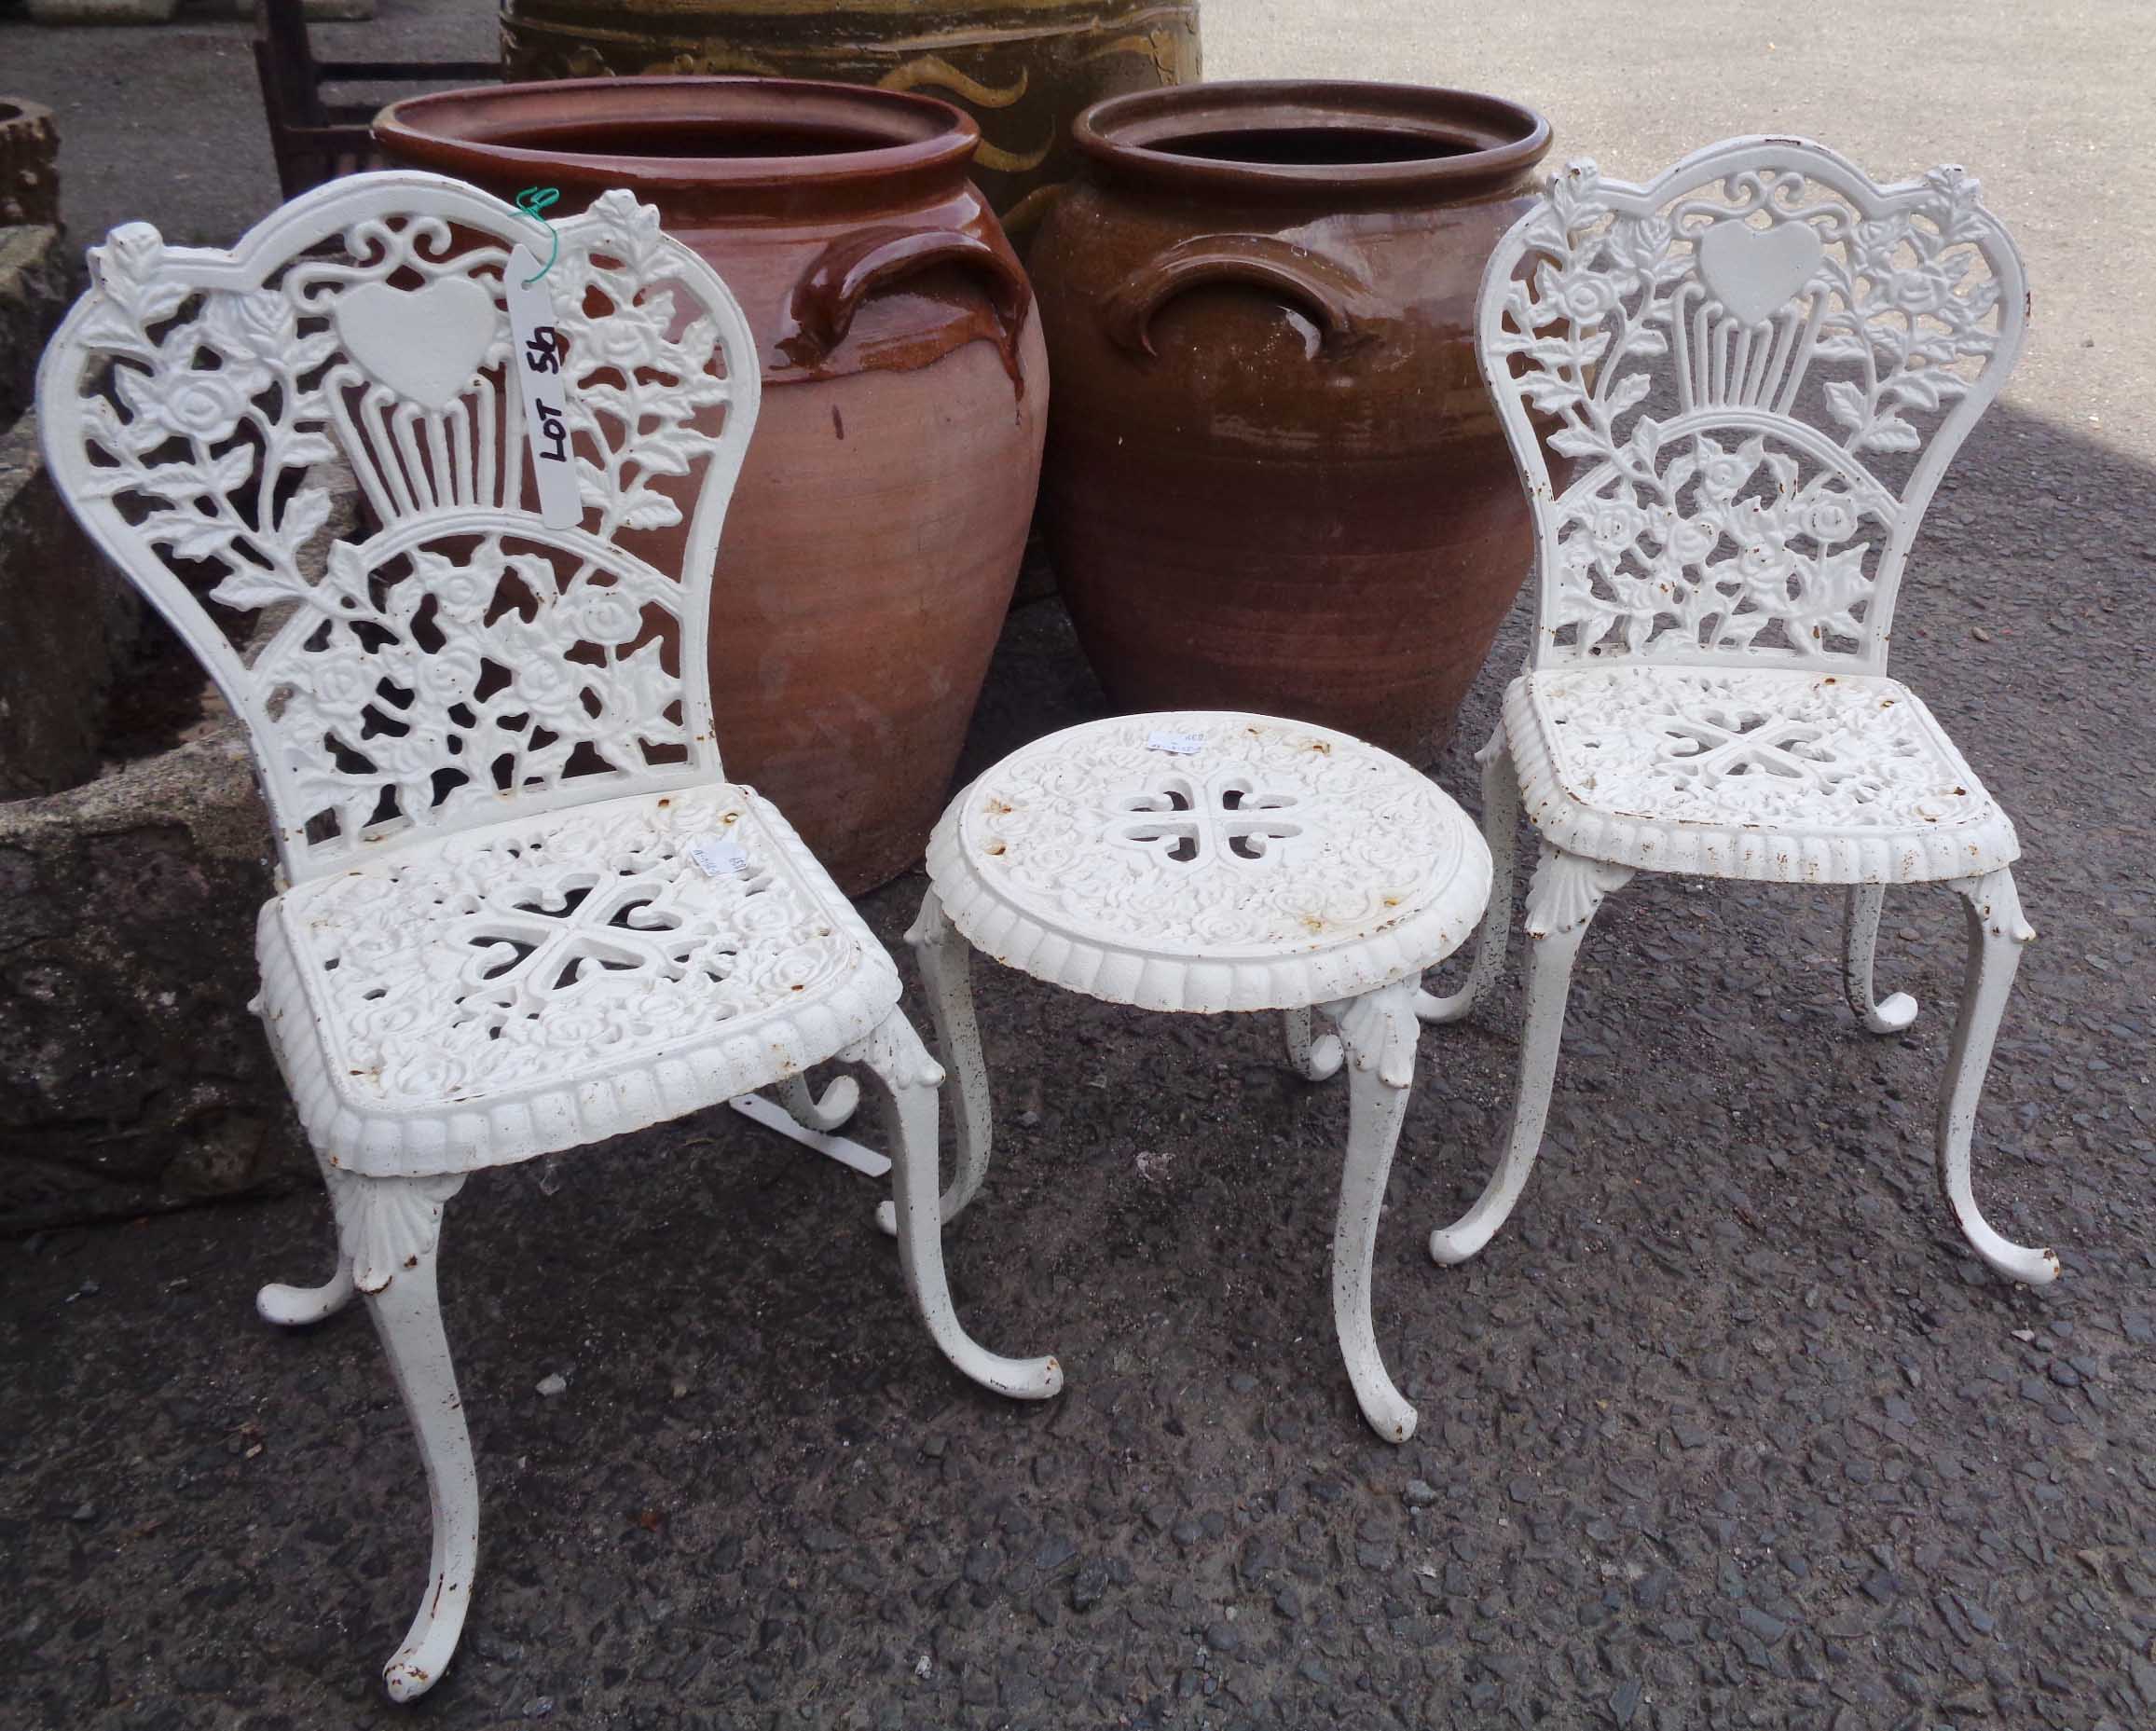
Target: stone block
[
  {"x": 29, "y": 164},
  {"x": 35, "y": 283},
  {"x": 68, "y": 624},
  {"x": 315, "y": 11},
  {"x": 103, "y": 11},
  {"x": 132, "y": 1075}
]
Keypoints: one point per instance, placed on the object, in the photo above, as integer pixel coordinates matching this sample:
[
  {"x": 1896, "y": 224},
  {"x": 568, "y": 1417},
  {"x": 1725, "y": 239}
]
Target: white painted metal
[
  {"x": 1208, "y": 862},
  {"x": 524, "y": 910},
  {"x": 801, "y": 1127},
  {"x": 1758, "y": 368}
]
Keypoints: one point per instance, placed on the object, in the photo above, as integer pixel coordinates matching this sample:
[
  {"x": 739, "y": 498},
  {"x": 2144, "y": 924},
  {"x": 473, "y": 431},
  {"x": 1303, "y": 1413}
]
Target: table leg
[{"x": 1378, "y": 1031}]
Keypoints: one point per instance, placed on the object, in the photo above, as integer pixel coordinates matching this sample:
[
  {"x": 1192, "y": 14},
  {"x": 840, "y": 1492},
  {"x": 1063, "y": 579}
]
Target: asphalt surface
[{"x": 1727, "y": 1428}]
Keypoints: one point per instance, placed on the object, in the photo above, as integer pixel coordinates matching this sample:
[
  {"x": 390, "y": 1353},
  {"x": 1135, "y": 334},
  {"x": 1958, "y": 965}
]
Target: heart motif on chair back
[
  {"x": 424, "y": 344},
  {"x": 1755, "y": 272}
]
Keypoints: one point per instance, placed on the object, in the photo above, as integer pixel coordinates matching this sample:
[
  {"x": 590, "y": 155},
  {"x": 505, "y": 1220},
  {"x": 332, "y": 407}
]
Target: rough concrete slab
[
  {"x": 33, "y": 299},
  {"x": 103, "y": 12},
  {"x": 67, "y": 625},
  {"x": 131, "y": 1074},
  {"x": 29, "y": 164}
]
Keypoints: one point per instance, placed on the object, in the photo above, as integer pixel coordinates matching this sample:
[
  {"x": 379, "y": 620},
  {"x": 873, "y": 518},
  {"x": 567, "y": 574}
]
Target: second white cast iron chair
[
  {"x": 522, "y": 909},
  {"x": 1759, "y": 367}
]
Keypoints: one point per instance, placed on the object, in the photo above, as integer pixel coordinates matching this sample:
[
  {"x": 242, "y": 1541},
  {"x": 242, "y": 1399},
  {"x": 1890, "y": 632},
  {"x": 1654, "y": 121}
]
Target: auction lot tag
[
  {"x": 1182, "y": 745},
  {"x": 535, "y": 357}
]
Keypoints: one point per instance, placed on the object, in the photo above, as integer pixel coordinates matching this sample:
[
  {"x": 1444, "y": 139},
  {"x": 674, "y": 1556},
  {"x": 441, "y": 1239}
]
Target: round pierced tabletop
[{"x": 1207, "y": 861}]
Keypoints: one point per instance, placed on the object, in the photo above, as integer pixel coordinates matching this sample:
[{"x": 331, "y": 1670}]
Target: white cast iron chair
[
  {"x": 1759, "y": 367},
  {"x": 524, "y": 909}
]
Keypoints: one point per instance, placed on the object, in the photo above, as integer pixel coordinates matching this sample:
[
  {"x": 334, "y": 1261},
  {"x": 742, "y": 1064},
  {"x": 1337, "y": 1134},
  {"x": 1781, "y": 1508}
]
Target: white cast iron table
[{"x": 1208, "y": 862}]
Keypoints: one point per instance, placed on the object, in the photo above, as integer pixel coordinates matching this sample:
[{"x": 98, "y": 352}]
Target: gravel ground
[{"x": 1727, "y": 1428}]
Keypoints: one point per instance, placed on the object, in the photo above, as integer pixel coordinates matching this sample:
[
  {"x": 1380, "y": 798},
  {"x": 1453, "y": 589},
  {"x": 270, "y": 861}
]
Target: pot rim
[
  {"x": 1485, "y": 142},
  {"x": 912, "y": 137}
]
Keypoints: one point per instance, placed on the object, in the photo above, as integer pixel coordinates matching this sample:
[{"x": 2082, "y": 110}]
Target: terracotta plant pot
[
  {"x": 1274, "y": 479},
  {"x": 1023, "y": 68},
  {"x": 877, "y": 531}
]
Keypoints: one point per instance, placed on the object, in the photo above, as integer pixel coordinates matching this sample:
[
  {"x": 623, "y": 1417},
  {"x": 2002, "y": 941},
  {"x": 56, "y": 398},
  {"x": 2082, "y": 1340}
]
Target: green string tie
[{"x": 534, "y": 201}]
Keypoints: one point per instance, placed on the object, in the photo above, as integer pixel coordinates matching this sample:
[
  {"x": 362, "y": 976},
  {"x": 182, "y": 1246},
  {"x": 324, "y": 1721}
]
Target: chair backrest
[
  {"x": 446, "y": 659},
  {"x": 1749, "y": 377}
]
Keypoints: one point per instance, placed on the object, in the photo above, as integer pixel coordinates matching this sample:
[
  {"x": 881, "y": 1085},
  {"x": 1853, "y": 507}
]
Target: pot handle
[
  {"x": 820, "y": 311},
  {"x": 1335, "y": 298}
]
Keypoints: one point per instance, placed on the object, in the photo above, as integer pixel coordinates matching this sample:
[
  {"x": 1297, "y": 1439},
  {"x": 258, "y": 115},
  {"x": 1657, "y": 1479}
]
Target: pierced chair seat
[
  {"x": 549, "y": 980},
  {"x": 1786, "y": 777}
]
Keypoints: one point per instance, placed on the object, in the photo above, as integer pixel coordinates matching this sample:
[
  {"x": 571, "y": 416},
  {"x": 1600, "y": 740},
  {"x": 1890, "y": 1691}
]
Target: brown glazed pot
[
  {"x": 1274, "y": 479},
  {"x": 877, "y": 528},
  {"x": 1023, "y": 68}
]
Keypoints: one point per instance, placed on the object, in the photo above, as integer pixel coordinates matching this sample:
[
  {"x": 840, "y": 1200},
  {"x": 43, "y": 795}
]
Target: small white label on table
[
  {"x": 717, "y": 859},
  {"x": 535, "y": 358},
  {"x": 1182, "y": 745}
]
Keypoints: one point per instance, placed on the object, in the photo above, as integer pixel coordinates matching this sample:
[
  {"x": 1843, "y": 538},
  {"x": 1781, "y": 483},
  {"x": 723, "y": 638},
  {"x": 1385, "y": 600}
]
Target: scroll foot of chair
[
  {"x": 295, "y": 1307},
  {"x": 390, "y": 1231},
  {"x": 838, "y": 1102},
  {"x": 1898, "y": 1010},
  {"x": 1560, "y": 902},
  {"x": 910, "y": 1080},
  {"x": 1377, "y": 1032},
  {"x": 1499, "y": 819},
  {"x": 1311, "y": 1056},
  {"x": 946, "y": 962},
  {"x": 1997, "y": 932}
]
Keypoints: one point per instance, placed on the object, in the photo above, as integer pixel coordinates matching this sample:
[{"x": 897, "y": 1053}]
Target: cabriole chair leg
[
  {"x": 1499, "y": 819},
  {"x": 1310, "y": 1056},
  {"x": 910, "y": 1081},
  {"x": 946, "y": 963},
  {"x": 1560, "y": 901},
  {"x": 295, "y": 1307},
  {"x": 1898, "y": 1010},
  {"x": 837, "y": 1103},
  {"x": 1997, "y": 932},
  {"x": 390, "y": 1231}
]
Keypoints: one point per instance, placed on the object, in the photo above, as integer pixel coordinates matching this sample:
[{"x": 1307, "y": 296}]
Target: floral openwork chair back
[
  {"x": 1748, "y": 379},
  {"x": 447, "y": 656},
  {"x": 1732, "y": 394},
  {"x": 523, "y": 909}
]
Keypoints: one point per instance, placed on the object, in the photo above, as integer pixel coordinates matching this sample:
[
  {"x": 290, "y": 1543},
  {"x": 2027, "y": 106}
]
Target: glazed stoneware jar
[
  {"x": 877, "y": 531},
  {"x": 1274, "y": 479},
  {"x": 1024, "y": 69}
]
